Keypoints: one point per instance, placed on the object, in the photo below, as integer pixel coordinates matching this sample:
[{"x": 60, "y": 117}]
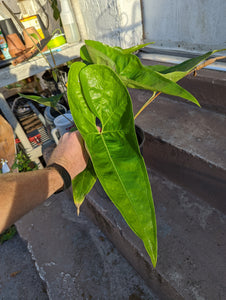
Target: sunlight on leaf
[{"x": 114, "y": 151}]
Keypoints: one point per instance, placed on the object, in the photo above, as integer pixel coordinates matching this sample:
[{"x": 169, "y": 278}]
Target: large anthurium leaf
[
  {"x": 51, "y": 101},
  {"x": 132, "y": 72},
  {"x": 114, "y": 151}
]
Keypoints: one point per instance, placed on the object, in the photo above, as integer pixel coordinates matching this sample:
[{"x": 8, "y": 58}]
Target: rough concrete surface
[
  {"x": 191, "y": 242},
  {"x": 189, "y": 127},
  {"x": 75, "y": 258},
  {"x": 186, "y": 144},
  {"x": 18, "y": 276}
]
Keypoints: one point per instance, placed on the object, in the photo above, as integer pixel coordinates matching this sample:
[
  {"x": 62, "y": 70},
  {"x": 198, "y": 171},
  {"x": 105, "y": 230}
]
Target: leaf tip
[
  {"x": 78, "y": 208},
  {"x": 154, "y": 262}
]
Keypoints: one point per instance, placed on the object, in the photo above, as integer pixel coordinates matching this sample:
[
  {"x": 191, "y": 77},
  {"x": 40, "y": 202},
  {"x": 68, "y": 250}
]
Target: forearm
[{"x": 21, "y": 192}]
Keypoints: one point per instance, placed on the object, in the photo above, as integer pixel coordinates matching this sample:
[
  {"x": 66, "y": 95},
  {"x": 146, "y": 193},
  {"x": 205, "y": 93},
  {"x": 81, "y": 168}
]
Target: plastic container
[
  {"x": 63, "y": 123},
  {"x": 50, "y": 114},
  {"x": 69, "y": 22},
  {"x": 57, "y": 40}
]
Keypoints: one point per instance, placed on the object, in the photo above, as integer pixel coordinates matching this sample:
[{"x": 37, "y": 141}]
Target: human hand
[{"x": 70, "y": 153}]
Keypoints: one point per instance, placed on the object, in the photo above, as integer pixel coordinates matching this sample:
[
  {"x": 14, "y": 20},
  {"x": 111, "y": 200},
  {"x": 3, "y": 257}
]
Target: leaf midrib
[{"x": 108, "y": 153}]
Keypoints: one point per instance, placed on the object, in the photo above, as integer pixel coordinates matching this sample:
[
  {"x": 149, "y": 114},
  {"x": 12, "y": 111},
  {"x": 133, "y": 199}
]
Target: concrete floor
[
  {"x": 72, "y": 255},
  {"x": 18, "y": 276}
]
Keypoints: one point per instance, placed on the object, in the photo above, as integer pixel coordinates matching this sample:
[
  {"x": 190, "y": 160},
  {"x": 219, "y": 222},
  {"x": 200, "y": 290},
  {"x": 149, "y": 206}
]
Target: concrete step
[
  {"x": 191, "y": 242},
  {"x": 19, "y": 278},
  {"x": 74, "y": 257},
  {"x": 186, "y": 144},
  {"x": 208, "y": 86}
]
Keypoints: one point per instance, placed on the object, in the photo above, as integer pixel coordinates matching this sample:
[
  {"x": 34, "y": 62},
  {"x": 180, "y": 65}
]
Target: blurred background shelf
[{"x": 11, "y": 74}]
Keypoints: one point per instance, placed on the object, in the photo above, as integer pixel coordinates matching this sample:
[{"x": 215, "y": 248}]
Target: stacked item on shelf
[{"x": 31, "y": 120}]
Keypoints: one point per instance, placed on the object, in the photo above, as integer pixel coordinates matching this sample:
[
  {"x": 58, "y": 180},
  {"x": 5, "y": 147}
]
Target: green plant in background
[
  {"x": 97, "y": 89},
  {"x": 23, "y": 163},
  {"x": 56, "y": 12},
  {"x": 8, "y": 234}
]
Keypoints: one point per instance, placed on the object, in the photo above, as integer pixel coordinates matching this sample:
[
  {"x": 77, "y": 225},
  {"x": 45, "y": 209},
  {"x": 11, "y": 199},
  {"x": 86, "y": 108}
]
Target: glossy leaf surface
[
  {"x": 84, "y": 121},
  {"x": 132, "y": 72},
  {"x": 115, "y": 154}
]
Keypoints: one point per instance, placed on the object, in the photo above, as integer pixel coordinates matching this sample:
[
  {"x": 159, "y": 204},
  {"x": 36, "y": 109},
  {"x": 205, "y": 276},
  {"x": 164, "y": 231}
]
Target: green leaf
[
  {"x": 8, "y": 234},
  {"x": 114, "y": 151},
  {"x": 179, "y": 71},
  {"x": 82, "y": 184},
  {"x": 157, "y": 68},
  {"x": 51, "y": 101},
  {"x": 133, "y": 73},
  {"x": 84, "y": 119},
  {"x": 84, "y": 54},
  {"x": 102, "y": 54},
  {"x": 56, "y": 12},
  {"x": 134, "y": 48},
  {"x": 69, "y": 63},
  {"x": 35, "y": 36},
  {"x": 54, "y": 73}
]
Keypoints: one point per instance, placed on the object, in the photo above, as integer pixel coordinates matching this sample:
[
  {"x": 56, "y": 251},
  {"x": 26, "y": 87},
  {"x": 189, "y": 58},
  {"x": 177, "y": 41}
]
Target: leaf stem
[
  {"x": 201, "y": 66},
  {"x": 153, "y": 97},
  {"x": 206, "y": 63}
]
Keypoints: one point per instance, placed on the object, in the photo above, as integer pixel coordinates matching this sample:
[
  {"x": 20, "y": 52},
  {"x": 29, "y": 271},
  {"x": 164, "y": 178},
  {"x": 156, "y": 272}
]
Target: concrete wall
[
  {"x": 196, "y": 25},
  {"x": 115, "y": 22}
]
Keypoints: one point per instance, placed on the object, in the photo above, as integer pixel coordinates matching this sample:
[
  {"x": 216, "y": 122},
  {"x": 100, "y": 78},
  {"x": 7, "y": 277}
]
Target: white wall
[
  {"x": 196, "y": 25},
  {"x": 115, "y": 22}
]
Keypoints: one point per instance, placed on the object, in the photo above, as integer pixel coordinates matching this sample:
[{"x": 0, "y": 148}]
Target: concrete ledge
[
  {"x": 74, "y": 258},
  {"x": 191, "y": 251},
  {"x": 186, "y": 144},
  {"x": 104, "y": 214}
]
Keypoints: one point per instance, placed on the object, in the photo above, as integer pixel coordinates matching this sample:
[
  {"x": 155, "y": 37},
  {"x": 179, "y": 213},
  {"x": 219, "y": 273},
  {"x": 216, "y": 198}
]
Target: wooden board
[{"x": 7, "y": 142}]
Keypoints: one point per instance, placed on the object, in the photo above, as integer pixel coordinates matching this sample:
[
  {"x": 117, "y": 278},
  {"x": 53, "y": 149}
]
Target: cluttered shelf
[{"x": 11, "y": 74}]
